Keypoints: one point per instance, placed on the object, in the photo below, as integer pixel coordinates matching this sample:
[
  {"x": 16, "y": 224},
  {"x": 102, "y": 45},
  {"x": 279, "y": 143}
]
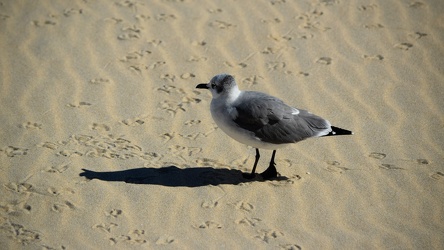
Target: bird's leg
[
  {"x": 255, "y": 161},
  {"x": 251, "y": 176},
  {"x": 271, "y": 171}
]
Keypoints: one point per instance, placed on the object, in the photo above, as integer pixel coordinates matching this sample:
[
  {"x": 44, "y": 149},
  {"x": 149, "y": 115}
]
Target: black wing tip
[{"x": 339, "y": 131}]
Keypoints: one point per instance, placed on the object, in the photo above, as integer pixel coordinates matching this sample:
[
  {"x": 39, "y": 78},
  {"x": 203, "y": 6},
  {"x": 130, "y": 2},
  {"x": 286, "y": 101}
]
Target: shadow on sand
[{"x": 173, "y": 176}]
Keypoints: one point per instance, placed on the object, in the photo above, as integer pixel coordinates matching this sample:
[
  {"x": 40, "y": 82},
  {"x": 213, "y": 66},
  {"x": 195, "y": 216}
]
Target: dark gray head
[{"x": 221, "y": 85}]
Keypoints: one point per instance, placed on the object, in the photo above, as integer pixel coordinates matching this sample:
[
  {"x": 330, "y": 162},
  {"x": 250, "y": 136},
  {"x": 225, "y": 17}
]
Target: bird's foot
[{"x": 269, "y": 173}]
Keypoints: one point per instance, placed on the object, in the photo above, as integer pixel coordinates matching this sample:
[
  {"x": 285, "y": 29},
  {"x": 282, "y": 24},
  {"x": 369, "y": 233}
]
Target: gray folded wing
[{"x": 272, "y": 121}]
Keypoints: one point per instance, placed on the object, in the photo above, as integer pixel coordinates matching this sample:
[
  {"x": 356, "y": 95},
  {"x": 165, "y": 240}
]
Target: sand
[{"x": 106, "y": 144}]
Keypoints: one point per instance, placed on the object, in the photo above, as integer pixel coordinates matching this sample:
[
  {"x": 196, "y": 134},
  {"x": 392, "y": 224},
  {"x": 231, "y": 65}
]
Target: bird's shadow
[{"x": 173, "y": 176}]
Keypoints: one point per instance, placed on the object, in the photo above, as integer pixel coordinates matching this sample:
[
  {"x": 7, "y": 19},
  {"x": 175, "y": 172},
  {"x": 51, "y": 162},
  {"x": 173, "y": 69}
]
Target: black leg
[
  {"x": 251, "y": 176},
  {"x": 271, "y": 171},
  {"x": 255, "y": 161}
]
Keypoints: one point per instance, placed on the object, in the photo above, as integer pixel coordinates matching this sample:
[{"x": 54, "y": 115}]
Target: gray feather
[{"x": 271, "y": 120}]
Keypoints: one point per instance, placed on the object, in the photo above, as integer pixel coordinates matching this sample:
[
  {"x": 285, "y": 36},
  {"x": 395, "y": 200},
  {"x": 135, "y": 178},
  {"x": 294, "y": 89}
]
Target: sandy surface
[{"x": 106, "y": 89}]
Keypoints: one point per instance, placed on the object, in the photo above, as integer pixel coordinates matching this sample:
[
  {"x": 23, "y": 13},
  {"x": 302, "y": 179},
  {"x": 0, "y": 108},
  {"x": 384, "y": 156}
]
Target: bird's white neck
[{"x": 233, "y": 94}]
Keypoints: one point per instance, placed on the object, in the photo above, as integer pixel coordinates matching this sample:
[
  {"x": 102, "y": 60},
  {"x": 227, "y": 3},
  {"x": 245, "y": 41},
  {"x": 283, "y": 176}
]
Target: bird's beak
[{"x": 202, "y": 86}]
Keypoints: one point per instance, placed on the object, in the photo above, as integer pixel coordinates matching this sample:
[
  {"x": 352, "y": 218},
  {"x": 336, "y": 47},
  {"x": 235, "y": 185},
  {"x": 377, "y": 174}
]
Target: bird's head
[{"x": 222, "y": 85}]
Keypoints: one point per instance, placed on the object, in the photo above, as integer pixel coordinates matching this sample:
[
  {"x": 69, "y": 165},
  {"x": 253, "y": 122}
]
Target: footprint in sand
[
  {"x": 155, "y": 42},
  {"x": 60, "y": 207},
  {"x": 12, "y": 151},
  {"x": 252, "y": 222},
  {"x": 165, "y": 240},
  {"x": 180, "y": 151},
  {"x": 39, "y": 23},
  {"x": 373, "y": 26},
  {"x": 137, "y": 68},
  {"x": 187, "y": 76},
  {"x": 212, "y": 11},
  {"x": 171, "y": 89},
  {"x": 156, "y": 65},
  {"x": 113, "y": 20},
  {"x": 162, "y": 17},
  {"x": 416, "y": 5},
  {"x": 132, "y": 28},
  {"x": 129, "y": 4},
  {"x": 135, "y": 121},
  {"x": 271, "y": 21},
  {"x": 422, "y": 161},
  {"x": 378, "y": 156},
  {"x": 390, "y": 167},
  {"x": 305, "y": 36},
  {"x": 373, "y": 57},
  {"x": 54, "y": 191},
  {"x": 221, "y": 25},
  {"x": 284, "y": 181},
  {"x": 78, "y": 105},
  {"x": 20, "y": 234},
  {"x": 192, "y": 136},
  {"x": 168, "y": 77},
  {"x": 58, "y": 169},
  {"x": 197, "y": 59},
  {"x": 19, "y": 187},
  {"x": 71, "y": 12},
  {"x": 99, "y": 81},
  {"x": 129, "y": 36},
  {"x": 192, "y": 122},
  {"x": 316, "y": 26},
  {"x": 105, "y": 227},
  {"x": 204, "y": 162},
  {"x": 209, "y": 204},
  {"x": 108, "y": 146},
  {"x": 277, "y": 38},
  {"x": 69, "y": 153},
  {"x": 290, "y": 247},
  {"x": 135, "y": 55},
  {"x": 276, "y": 2},
  {"x": 267, "y": 235},
  {"x": 199, "y": 43},
  {"x": 210, "y": 225},
  {"x": 114, "y": 213},
  {"x": 167, "y": 136},
  {"x": 15, "y": 208},
  {"x": 232, "y": 65},
  {"x": 437, "y": 176},
  {"x": 4, "y": 17},
  {"x": 252, "y": 80},
  {"x": 118, "y": 239},
  {"x": 275, "y": 66},
  {"x": 324, "y": 60},
  {"x": 133, "y": 238},
  {"x": 417, "y": 35},
  {"x": 100, "y": 127},
  {"x": 335, "y": 166},
  {"x": 245, "y": 206},
  {"x": 303, "y": 74},
  {"x": 31, "y": 125},
  {"x": 50, "y": 145},
  {"x": 403, "y": 46},
  {"x": 367, "y": 7},
  {"x": 329, "y": 2}
]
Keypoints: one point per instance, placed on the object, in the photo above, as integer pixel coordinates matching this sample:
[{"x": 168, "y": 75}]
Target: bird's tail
[{"x": 338, "y": 131}]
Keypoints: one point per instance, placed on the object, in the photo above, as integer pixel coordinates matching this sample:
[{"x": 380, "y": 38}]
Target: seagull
[{"x": 262, "y": 121}]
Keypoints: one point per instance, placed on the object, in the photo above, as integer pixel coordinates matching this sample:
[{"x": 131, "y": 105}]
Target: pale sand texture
[{"x": 109, "y": 86}]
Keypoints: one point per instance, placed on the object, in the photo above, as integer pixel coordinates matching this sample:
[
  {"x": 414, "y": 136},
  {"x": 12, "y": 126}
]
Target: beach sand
[{"x": 106, "y": 144}]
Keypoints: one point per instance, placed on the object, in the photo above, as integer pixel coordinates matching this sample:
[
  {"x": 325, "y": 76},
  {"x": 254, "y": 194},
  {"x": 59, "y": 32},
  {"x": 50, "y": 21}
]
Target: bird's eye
[{"x": 213, "y": 85}]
